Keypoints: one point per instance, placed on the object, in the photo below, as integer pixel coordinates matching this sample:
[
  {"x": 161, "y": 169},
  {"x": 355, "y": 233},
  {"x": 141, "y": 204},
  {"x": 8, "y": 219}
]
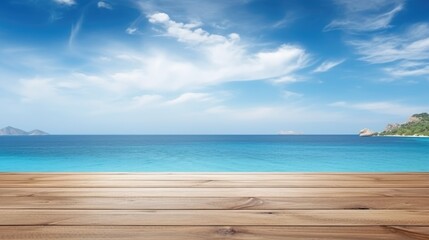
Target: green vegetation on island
[{"x": 417, "y": 125}]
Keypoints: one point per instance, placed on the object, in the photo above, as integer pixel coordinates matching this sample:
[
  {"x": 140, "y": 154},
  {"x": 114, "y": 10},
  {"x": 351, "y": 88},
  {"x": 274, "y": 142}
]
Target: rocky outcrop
[
  {"x": 414, "y": 119},
  {"x": 391, "y": 127},
  {"x": 367, "y": 133},
  {"x": 11, "y": 131}
]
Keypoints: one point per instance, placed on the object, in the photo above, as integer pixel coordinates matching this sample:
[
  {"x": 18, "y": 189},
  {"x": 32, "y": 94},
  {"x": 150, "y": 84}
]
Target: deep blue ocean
[{"x": 213, "y": 153}]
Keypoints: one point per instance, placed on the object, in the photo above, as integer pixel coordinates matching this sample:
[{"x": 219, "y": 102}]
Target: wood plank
[
  {"x": 214, "y": 217},
  {"x": 212, "y": 233},
  {"x": 216, "y": 192},
  {"x": 211, "y": 176},
  {"x": 214, "y": 183},
  {"x": 216, "y": 203}
]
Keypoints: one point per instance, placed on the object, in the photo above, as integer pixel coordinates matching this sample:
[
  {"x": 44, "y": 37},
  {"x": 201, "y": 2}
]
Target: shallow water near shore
[{"x": 213, "y": 153}]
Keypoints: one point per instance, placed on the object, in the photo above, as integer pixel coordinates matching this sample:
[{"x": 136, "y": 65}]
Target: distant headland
[
  {"x": 11, "y": 131},
  {"x": 416, "y": 126}
]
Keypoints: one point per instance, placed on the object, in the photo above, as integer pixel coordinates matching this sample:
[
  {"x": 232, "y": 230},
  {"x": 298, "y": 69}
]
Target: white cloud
[
  {"x": 365, "y": 15},
  {"x": 161, "y": 71},
  {"x": 287, "y": 79},
  {"x": 191, "y": 97},
  {"x": 291, "y": 94},
  {"x": 189, "y": 33},
  {"x": 131, "y": 30},
  {"x": 36, "y": 89},
  {"x": 328, "y": 64},
  {"x": 75, "y": 29},
  {"x": 210, "y": 59},
  {"x": 382, "y": 107},
  {"x": 144, "y": 100},
  {"x": 44, "y": 89},
  {"x": 159, "y": 18},
  {"x": 103, "y": 4},
  {"x": 65, "y": 2}
]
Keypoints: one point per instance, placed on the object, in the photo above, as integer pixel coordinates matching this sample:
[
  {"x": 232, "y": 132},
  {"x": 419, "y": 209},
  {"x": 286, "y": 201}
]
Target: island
[
  {"x": 416, "y": 126},
  {"x": 11, "y": 131}
]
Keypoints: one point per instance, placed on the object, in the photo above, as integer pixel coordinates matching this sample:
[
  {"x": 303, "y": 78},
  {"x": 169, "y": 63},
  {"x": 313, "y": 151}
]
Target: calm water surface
[{"x": 241, "y": 153}]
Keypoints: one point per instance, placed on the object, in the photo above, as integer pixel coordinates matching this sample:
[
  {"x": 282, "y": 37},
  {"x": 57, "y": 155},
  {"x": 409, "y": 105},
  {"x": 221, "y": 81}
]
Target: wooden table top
[{"x": 197, "y": 206}]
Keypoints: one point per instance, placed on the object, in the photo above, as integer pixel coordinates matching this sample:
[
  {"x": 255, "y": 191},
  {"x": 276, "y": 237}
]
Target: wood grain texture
[
  {"x": 215, "y": 203},
  {"x": 216, "y": 192},
  {"x": 213, "y": 176},
  {"x": 215, "y": 184},
  {"x": 212, "y": 233},
  {"x": 214, "y": 217},
  {"x": 196, "y": 206}
]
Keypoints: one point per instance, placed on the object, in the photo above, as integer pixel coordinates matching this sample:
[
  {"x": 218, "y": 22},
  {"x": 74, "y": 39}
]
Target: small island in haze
[
  {"x": 11, "y": 131},
  {"x": 416, "y": 126}
]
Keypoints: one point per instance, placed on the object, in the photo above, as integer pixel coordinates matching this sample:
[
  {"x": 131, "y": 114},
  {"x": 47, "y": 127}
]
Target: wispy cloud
[
  {"x": 75, "y": 29},
  {"x": 131, "y": 30},
  {"x": 382, "y": 107},
  {"x": 408, "y": 51},
  {"x": 43, "y": 89},
  {"x": 328, "y": 64},
  {"x": 412, "y": 44},
  {"x": 287, "y": 19},
  {"x": 403, "y": 54},
  {"x": 104, "y": 4},
  {"x": 148, "y": 99},
  {"x": 290, "y": 94},
  {"x": 65, "y": 2},
  {"x": 54, "y": 16},
  {"x": 365, "y": 15},
  {"x": 207, "y": 11},
  {"x": 276, "y": 115},
  {"x": 408, "y": 69},
  {"x": 195, "y": 97}
]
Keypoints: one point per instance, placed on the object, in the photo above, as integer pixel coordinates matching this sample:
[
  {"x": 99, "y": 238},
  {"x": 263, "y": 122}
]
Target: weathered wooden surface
[{"x": 196, "y": 206}]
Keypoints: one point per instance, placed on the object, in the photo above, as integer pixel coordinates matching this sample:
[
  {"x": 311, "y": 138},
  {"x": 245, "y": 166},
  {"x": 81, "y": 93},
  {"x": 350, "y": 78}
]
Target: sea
[{"x": 213, "y": 153}]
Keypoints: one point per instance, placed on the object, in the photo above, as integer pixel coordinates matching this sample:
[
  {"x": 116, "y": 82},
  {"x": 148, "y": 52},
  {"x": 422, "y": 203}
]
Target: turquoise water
[{"x": 243, "y": 153}]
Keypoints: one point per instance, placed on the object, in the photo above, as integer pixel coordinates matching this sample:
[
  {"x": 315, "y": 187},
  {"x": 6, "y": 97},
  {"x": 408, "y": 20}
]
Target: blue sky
[{"x": 242, "y": 66}]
